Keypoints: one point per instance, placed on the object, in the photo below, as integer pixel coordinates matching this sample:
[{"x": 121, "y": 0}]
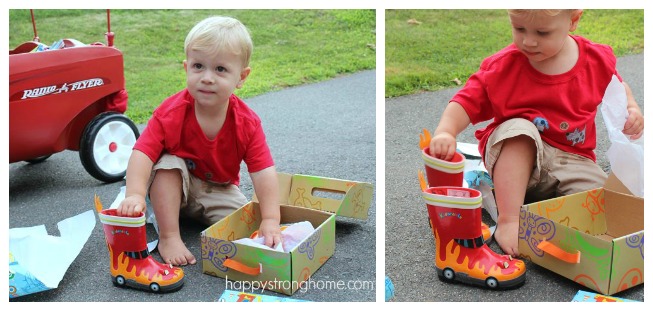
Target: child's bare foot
[
  {"x": 506, "y": 235},
  {"x": 174, "y": 251}
]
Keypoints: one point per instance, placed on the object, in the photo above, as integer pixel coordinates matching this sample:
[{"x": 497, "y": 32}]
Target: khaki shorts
[
  {"x": 555, "y": 173},
  {"x": 201, "y": 200}
]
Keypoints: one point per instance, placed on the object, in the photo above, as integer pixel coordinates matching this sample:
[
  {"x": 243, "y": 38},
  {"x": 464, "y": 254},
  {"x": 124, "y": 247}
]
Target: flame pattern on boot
[
  {"x": 130, "y": 269},
  {"x": 131, "y": 263},
  {"x": 478, "y": 267}
]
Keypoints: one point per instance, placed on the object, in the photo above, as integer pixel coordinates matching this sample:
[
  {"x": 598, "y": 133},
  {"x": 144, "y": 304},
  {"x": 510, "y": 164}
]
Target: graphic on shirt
[
  {"x": 190, "y": 164},
  {"x": 541, "y": 124},
  {"x": 564, "y": 125},
  {"x": 576, "y": 136}
]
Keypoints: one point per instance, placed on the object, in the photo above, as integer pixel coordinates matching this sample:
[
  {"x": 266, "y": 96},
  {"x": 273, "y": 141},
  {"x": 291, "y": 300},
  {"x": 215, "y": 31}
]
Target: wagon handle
[
  {"x": 109, "y": 34},
  {"x": 36, "y": 37}
]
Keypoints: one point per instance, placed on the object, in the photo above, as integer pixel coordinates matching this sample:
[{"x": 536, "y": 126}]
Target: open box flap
[
  {"x": 613, "y": 183},
  {"x": 285, "y": 181},
  {"x": 624, "y": 214},
  {"x": 337, "y": 196}
]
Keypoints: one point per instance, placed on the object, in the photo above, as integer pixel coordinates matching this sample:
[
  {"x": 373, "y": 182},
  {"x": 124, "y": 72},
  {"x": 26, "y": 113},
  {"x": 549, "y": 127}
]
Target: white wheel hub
[{"x": 113, "y": 146}]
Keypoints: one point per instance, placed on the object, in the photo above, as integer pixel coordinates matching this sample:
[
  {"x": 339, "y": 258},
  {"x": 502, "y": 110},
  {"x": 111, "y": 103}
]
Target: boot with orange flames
[
  {"x": 131, "y": 263},
  {"x": 460, "y": 251}
]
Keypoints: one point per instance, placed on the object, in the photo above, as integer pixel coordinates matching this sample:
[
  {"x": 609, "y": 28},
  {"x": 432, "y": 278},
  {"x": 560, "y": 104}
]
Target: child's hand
[
  {"x": 443, "y": 146},
  {"x": 635, "y": 124},
  {"x": 271, "y": 232},
  {"x": 132, "y": 205}
]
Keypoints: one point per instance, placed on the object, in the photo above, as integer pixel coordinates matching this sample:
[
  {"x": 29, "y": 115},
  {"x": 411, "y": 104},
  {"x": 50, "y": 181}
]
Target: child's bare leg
[
  {"x": 165, "y": 194},
  {"x": 512, "y": 171}
]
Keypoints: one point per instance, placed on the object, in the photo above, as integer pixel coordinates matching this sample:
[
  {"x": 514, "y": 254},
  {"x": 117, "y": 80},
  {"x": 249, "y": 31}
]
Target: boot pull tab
[
  {"x": 98, "y": 204},
  {"x": 422, "y": 181}
]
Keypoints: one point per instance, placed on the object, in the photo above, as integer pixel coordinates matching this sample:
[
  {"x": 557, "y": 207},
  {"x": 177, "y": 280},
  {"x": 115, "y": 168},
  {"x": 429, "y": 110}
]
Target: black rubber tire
[{"x": 86, "y": 152}]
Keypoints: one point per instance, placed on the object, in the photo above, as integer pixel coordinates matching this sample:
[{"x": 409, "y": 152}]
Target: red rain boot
[
  {"x": 131, "y": 263},
  {"x": 441, "y": 173},
  {"x": 460, "y": 251},
  {"x": 444, "y": 173}
]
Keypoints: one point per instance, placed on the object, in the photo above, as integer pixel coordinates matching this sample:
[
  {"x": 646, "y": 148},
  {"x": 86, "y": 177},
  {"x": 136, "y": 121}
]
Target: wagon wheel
[{"x": 106, "y": 145}]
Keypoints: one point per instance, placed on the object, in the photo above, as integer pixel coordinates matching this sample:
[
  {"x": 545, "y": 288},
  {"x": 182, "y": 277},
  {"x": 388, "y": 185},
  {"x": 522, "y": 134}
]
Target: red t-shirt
[
  {"x": 174, "y": 129},
  {"x": 562, "y": 106}
]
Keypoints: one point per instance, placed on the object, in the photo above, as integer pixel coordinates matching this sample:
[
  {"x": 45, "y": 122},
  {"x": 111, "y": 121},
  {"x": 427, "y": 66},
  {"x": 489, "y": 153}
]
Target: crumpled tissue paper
[{"x": 38, "y": 261}]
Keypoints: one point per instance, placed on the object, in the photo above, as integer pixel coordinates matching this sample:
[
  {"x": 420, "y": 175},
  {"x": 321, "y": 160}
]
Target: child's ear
[
  {"x": 575, "y": 18},
  {"x": 243, "y": 76},
  {"x": 185, "y": 65}
]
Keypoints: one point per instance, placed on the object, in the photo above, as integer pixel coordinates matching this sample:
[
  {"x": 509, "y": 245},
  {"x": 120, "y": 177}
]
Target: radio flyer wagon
[{"x": 70, "y": 96}]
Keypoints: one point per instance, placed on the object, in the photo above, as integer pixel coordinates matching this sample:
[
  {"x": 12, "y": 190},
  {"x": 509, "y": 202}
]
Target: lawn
[
  {"x": 291, "y": 47},
  {"x": 428, "y": 50}
]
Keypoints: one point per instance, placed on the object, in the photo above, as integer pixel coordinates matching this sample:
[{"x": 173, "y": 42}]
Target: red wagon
[{"x": 70, "y": 96}]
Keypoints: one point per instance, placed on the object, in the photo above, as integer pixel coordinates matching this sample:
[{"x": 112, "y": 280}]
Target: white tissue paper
[
  {"x": 292, "y": 236},
  {"x": 626, "y": 156},
  {"x": 38, "y": 261}
]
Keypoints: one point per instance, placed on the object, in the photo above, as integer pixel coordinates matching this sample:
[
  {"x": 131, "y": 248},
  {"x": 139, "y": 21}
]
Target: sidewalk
[
  {"x": 413, "y": 272},
  {"x": 322, "y": 129}
]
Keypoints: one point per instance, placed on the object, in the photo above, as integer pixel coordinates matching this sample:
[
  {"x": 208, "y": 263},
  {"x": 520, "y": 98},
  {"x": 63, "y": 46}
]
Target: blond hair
[
  {"x": 218, "y": 33},
  {"x": 532, "y": 13}
]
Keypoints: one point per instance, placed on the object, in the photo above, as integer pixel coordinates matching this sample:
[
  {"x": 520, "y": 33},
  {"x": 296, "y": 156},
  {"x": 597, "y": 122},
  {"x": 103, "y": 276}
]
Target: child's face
[
  {"x": 211, "y": 77},
  {"x": 542, "y": 37}
]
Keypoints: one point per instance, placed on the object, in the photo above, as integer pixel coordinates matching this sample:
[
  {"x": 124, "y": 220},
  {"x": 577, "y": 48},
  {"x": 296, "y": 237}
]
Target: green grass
[
  {"x": 291, "y": 47},
  {"x": 450, "y": 44}
]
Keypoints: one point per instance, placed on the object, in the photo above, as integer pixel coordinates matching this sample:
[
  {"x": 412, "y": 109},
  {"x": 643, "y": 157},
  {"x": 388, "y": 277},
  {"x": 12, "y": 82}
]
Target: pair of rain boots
[{"x": 455, "y": 215}]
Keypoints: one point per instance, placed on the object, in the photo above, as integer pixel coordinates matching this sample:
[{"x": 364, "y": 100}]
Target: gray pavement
[
  {"x": 409, "y": 244},
  {"x": 322, "y": 129}
]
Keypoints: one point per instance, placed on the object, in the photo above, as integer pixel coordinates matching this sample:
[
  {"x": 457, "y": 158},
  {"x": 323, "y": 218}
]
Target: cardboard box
[
  {"x": 301, "y": 198},
  {"x": 595, "y": 237}
]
